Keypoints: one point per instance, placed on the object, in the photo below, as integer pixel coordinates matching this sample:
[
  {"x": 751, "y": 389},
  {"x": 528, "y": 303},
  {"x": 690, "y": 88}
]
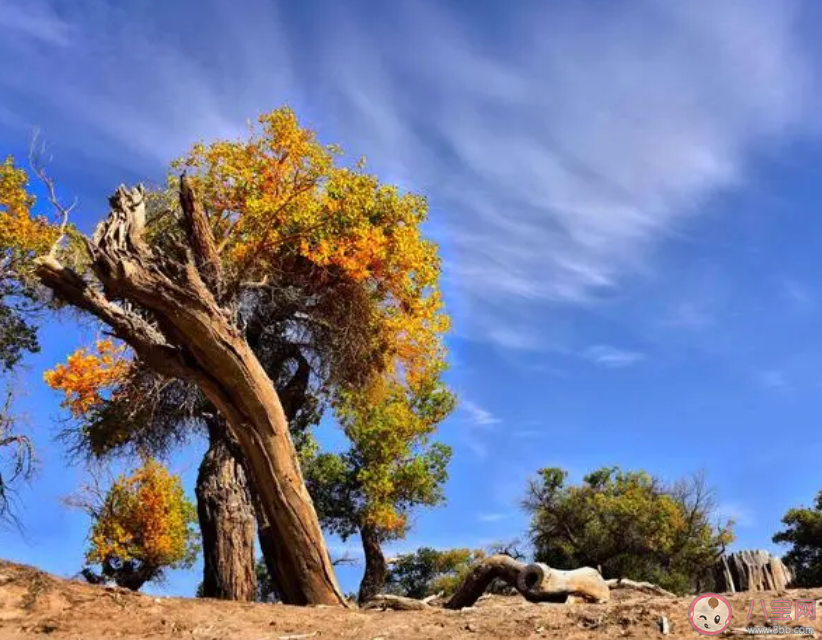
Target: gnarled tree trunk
[
  {"x": 226, "y": 520},
  {"x": 376, "y": 568},
  {"x": 194, "y": 338},
  {"x": 536, "y": 582}
]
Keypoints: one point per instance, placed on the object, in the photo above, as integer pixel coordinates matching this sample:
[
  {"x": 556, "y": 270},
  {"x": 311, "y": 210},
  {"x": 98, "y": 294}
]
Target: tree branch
[
  {"x": 146, "y": 341},
  {"x": 36, "y": 164},
  {"x": 200, "y": 236}
]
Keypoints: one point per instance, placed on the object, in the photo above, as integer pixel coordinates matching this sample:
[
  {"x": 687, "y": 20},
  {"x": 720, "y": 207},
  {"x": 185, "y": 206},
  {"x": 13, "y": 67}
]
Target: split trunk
[{"x": 226, "y": 520}]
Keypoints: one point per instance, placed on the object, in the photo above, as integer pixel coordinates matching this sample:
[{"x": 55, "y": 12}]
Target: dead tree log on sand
[{"x": 536, "y": 582}]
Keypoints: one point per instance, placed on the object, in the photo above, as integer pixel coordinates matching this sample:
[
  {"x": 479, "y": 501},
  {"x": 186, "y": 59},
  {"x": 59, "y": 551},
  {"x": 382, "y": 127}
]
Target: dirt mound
[{"x": 33, "y": 603}]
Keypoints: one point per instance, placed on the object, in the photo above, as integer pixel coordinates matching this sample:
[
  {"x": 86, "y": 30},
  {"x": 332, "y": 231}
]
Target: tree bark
[
  {"x": 536, "y": 582},
  {"x": 226, "y": 517},
  {"x": 193, "y": 337},
  {"x": 268, "y": 546},
  {"x": 376, "y": 568},
  {"x": 483, "y": 574},
  {"x": 541, "y": 583}
]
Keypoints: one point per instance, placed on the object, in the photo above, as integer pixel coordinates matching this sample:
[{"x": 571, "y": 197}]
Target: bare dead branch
[{"x": 36, "y": 153}]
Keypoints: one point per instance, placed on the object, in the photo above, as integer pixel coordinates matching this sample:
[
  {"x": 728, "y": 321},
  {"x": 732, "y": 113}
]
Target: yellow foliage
[
  {"x": 147, "y": 518},
  {"x": 23, "y": 235},
  {"x": 85, "y": 376},
  {"x": 280, "y": 202}
]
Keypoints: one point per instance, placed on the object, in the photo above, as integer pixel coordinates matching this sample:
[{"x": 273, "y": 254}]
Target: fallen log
[
  {"x": 644, "y": 587},
  {"x": 536, "y": 582},
  {"x": 399, "y": 603},
  {"x": 483, "y": 574},
  {"x": 540, "y": 583}
]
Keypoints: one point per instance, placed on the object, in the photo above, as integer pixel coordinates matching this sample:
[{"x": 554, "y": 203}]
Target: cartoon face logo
[{"x": 710, "y": 614}]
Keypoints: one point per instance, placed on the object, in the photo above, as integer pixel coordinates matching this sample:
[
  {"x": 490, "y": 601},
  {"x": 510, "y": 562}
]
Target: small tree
[
  {"x": 141, "y": 526},
  {"x": 803, "y": 533},
  {"x": 429, "y": 571},
  {"x": 628, "y": 524},
  {"x": 390, "y": 468}
]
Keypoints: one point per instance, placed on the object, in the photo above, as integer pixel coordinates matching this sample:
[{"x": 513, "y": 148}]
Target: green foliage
[
  {"x": 428, "y": 571},
  {"x": 390, "y": 467},
  {"x": 17, "y": 334},
  {"x": 266, "y": 589},
  {"x": 804, "y": 533},
  {"x": 628, "y": 523}
]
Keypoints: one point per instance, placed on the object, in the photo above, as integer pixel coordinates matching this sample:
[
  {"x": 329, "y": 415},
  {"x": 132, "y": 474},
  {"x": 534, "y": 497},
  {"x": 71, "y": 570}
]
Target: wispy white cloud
[
  {"x": 612, "y": 357},
  {"x": 492, "y": 517},
  {"x": 688, "y": 314},
  {"x": 799, "y": 297},
  {"x": 479, "y": 422},
  {"x": 741, "y": 515},
  {"x": 35, "y": 21},
  {"x": 558, "y": 145},
  {"x": 477, "y": 415}
]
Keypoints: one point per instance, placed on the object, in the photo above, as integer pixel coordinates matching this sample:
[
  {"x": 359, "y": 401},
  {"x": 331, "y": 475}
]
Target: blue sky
[{"x": 626, "y": 196}]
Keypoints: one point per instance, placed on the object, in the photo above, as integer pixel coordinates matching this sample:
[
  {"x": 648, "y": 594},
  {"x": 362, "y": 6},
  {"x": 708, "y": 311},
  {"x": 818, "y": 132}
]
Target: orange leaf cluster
[
  {"x": 86, "y": 376},
  {"x": 23, "y": 236},
  {"x": 145, "y": 517}
]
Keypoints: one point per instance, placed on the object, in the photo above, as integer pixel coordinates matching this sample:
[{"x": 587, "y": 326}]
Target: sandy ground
[{"x": 33, "y": 603}]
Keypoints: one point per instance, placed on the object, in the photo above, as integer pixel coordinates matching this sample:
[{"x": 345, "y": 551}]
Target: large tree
[
  {"x": 627, "y": 523},
  {"x": 123, "y": 409},
  {"x": 803, "y": 532},
  {"x": 390, "y": 467},
  {"x": 338, "y": 250}
]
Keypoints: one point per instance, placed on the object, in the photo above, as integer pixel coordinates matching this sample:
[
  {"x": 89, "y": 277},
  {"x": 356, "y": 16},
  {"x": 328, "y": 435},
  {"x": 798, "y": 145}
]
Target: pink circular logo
[{"x": 710, "y": 614}]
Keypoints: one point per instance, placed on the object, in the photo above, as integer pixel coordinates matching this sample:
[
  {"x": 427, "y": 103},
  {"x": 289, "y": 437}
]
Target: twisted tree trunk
[
  {"x": 193, "y": 337},
  {"x": 226, "y": 520},
  {"x": 376, "y": 568},
  {"x": 536, "y": 582}
]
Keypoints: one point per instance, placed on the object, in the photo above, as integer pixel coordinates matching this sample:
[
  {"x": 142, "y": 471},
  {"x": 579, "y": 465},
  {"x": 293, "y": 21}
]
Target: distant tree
[
  {"x": 390, "y": 468},
  {"x": 627, "y": 523},
  {"x": 429, "y": 571},
  {"x": 141, "y": 526},
  {"x": 803, "y": 533}
]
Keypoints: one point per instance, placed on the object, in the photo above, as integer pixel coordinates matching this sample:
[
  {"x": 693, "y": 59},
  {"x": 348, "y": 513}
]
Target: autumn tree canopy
[
  {"x": 143, "y": 525},
  {"x": 628, "y": 523}
]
